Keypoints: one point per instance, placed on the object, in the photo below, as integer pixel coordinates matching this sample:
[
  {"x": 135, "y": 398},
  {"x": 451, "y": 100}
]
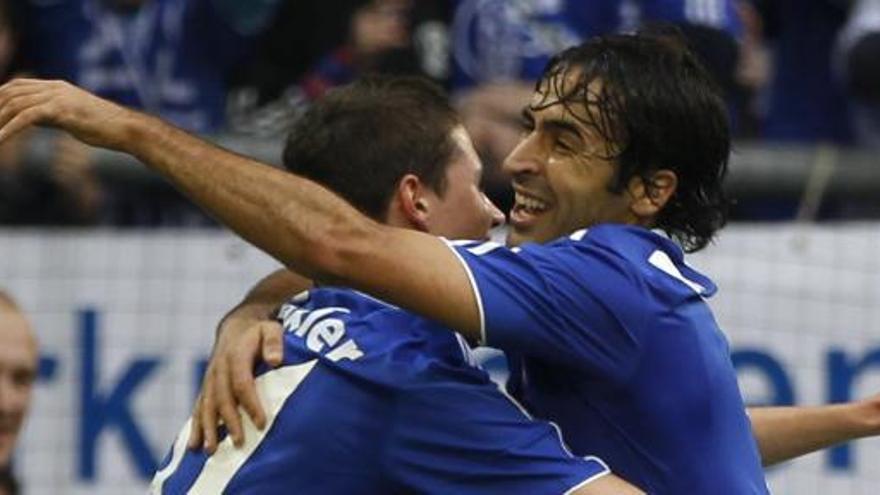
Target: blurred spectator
[
  {"x": 336, "y": 42},
  {"x": 859, "y": 61},
  {"x": 804, "y": 102},
  {"x": 377, "y": 42},
  {"x": 167, "y": 57},
  {"x": 10, "y": 60},
  {"x": 171, "y": 58},
  {"x": 752, "y": 73},
  {"x": 18, "y": 370},
  {"x": 10, "y": 55},
  {"x": 27, "y": 195},
  {"x": 8, "y": 483}
]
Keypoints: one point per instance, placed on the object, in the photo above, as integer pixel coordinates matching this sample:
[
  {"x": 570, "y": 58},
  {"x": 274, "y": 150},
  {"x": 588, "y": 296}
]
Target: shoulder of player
[
  {"x": 623, "y": 243},
  {"x": 641, "y": 255},
  {"x": 653, "y": 255}
]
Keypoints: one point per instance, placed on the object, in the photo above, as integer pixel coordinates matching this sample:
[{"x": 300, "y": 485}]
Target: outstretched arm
[
  {"x": 303, "y": 225},
  {"x": 784, "y": 433}
]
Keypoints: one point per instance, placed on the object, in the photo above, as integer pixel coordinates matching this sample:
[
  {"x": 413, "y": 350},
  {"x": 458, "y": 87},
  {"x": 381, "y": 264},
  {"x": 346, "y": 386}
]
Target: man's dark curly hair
[{"x": 656, "y": 107}]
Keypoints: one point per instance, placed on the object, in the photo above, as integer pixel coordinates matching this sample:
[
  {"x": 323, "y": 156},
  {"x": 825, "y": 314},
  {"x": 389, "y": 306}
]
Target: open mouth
[{"x": 526, "y": 209}]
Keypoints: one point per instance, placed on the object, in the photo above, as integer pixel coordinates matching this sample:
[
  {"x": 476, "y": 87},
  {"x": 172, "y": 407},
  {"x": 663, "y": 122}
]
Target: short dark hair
[
  {"x": 359, "y": 140},
  {"x": 657, "y": 108}
]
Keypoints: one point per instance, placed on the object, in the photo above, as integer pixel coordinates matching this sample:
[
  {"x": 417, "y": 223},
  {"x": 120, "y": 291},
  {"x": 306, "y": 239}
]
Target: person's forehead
[
  {"x": 547, "y": 100},
  {"x": 466, "y": 154},
  {"x": 16, "y": 334}
]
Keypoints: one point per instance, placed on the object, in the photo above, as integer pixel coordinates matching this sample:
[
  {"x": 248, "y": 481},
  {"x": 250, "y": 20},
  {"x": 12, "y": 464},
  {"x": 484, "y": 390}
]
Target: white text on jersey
[{"x": 322, "y": 333}]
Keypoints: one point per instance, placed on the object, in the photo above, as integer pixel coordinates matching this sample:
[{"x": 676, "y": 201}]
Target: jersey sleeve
[
  {"x": 476, "y": 440},
  {"x": 569, "y": 303}
]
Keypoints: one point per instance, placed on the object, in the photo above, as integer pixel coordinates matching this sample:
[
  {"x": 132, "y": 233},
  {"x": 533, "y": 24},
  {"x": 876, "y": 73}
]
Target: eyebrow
[{"x": 554, "y": 124}]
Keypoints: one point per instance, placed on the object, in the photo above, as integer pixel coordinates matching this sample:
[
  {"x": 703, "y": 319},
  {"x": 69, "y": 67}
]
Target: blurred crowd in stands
[{"x": 795, "y": 71}]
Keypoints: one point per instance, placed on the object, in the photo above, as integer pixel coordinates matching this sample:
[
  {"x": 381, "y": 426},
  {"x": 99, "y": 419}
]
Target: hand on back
[{"x": 228, "y": 387}]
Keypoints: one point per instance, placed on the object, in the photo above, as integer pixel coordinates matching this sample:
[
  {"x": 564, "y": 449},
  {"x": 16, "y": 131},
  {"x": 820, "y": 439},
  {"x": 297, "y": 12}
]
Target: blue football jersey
[
  {"x": 372, "y": 399},
  {"x": 609, "y": 337}
]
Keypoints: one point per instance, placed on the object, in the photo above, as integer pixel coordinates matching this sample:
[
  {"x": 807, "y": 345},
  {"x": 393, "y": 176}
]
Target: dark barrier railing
[{"x": 757, "y": 169}]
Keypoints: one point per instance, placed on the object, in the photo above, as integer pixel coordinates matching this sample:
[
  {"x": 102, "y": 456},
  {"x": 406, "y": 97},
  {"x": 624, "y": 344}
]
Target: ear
[
  {"x": 651, "y": 197},
  {"x": 412, "y": 202}
]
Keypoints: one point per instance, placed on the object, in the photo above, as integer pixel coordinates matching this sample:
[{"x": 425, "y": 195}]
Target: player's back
[{"x": 372, "y": 399}]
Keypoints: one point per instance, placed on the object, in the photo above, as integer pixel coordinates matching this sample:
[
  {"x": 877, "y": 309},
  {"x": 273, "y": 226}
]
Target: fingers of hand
[
  {"x": 21, "y": 111},
  {"x": 241, "y": 376},
  {"x": 21, "y": 94},
  {"x": 208, "y": 415},
  {"x": 271, "y": 336},
  {"x": 226, "y": 403},
  {"x": 195, "y": 433}
]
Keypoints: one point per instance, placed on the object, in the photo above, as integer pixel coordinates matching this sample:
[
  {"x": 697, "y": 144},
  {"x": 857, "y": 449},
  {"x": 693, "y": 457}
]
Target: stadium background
[
  {"x": 126, "y": 320},
  {"x": 125, "y": 292}
]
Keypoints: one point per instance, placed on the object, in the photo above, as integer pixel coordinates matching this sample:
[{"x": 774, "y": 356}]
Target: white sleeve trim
[
  {"x": 578, "y": 235},
  {"x": 662, "y": 261},
  {"x": 592, "y": 478},
  {"x": 474, "y": 287}
]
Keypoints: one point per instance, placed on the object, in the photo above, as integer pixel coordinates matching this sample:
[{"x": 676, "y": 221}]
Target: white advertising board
[{"x": 126, "y": 320}]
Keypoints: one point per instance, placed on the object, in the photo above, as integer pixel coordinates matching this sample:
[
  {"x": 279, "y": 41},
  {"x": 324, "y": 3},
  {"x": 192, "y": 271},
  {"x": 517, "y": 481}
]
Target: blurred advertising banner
[{"x": 126, "y": 321}]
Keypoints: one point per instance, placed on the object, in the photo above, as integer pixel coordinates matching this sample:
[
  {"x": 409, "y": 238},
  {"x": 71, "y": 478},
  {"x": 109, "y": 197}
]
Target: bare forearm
[
  {"x": 291, "y": 218},
  {"x": 308, "y": 228},
  {"x": 265, "y": 297},
  {"x": 303, "y": 225},
  {"x": 784, "y": 433}
]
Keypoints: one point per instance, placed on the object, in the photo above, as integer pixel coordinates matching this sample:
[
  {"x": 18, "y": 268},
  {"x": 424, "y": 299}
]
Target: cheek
[
  {"x": 24, "y": 398},
  {"x": 18, "y": 398},
  {"x": 469, "y": 205}
]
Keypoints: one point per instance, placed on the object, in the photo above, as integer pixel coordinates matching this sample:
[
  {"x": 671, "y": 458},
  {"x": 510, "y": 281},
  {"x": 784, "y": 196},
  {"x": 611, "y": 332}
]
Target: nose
[
  {"x": 524, "y": 159},
  {"x": 495, "y": 213}
]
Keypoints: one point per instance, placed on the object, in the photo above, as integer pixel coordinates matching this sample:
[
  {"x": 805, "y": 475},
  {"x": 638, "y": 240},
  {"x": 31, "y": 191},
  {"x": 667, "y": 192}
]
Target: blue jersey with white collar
[
  {"x": 609, "y": 336},
  {"x": 372, "y": 399}
]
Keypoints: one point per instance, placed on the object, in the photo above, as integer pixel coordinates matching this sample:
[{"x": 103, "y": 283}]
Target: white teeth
[{"x": 530, "y": 204}]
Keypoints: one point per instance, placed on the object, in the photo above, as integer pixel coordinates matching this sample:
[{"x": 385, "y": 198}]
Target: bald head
[
  {"x": 13, "y": 320},
  {"x": 18, "y": 369}
]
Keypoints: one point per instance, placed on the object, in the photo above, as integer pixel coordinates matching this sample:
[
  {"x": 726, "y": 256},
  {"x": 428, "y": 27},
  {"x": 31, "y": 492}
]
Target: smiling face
[
  {"x": 18, "y": 369},
  {"x": 561, "y": 173}
]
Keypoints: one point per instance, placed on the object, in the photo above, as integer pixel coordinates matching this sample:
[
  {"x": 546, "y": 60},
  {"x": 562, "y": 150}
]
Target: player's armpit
[
  {"x": 783, "y": 433},
  {"x": 413, "y": 270},
  {"x": 608, "y": 484}
]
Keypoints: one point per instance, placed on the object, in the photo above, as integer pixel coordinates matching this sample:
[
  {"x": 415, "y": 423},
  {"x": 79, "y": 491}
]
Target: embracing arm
[
  {"x": 246, "y": 335},
  {"x": 303, "y": 225},
  {"x": 784, "y": 433},
  {"x": 265, "y": 297}
]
